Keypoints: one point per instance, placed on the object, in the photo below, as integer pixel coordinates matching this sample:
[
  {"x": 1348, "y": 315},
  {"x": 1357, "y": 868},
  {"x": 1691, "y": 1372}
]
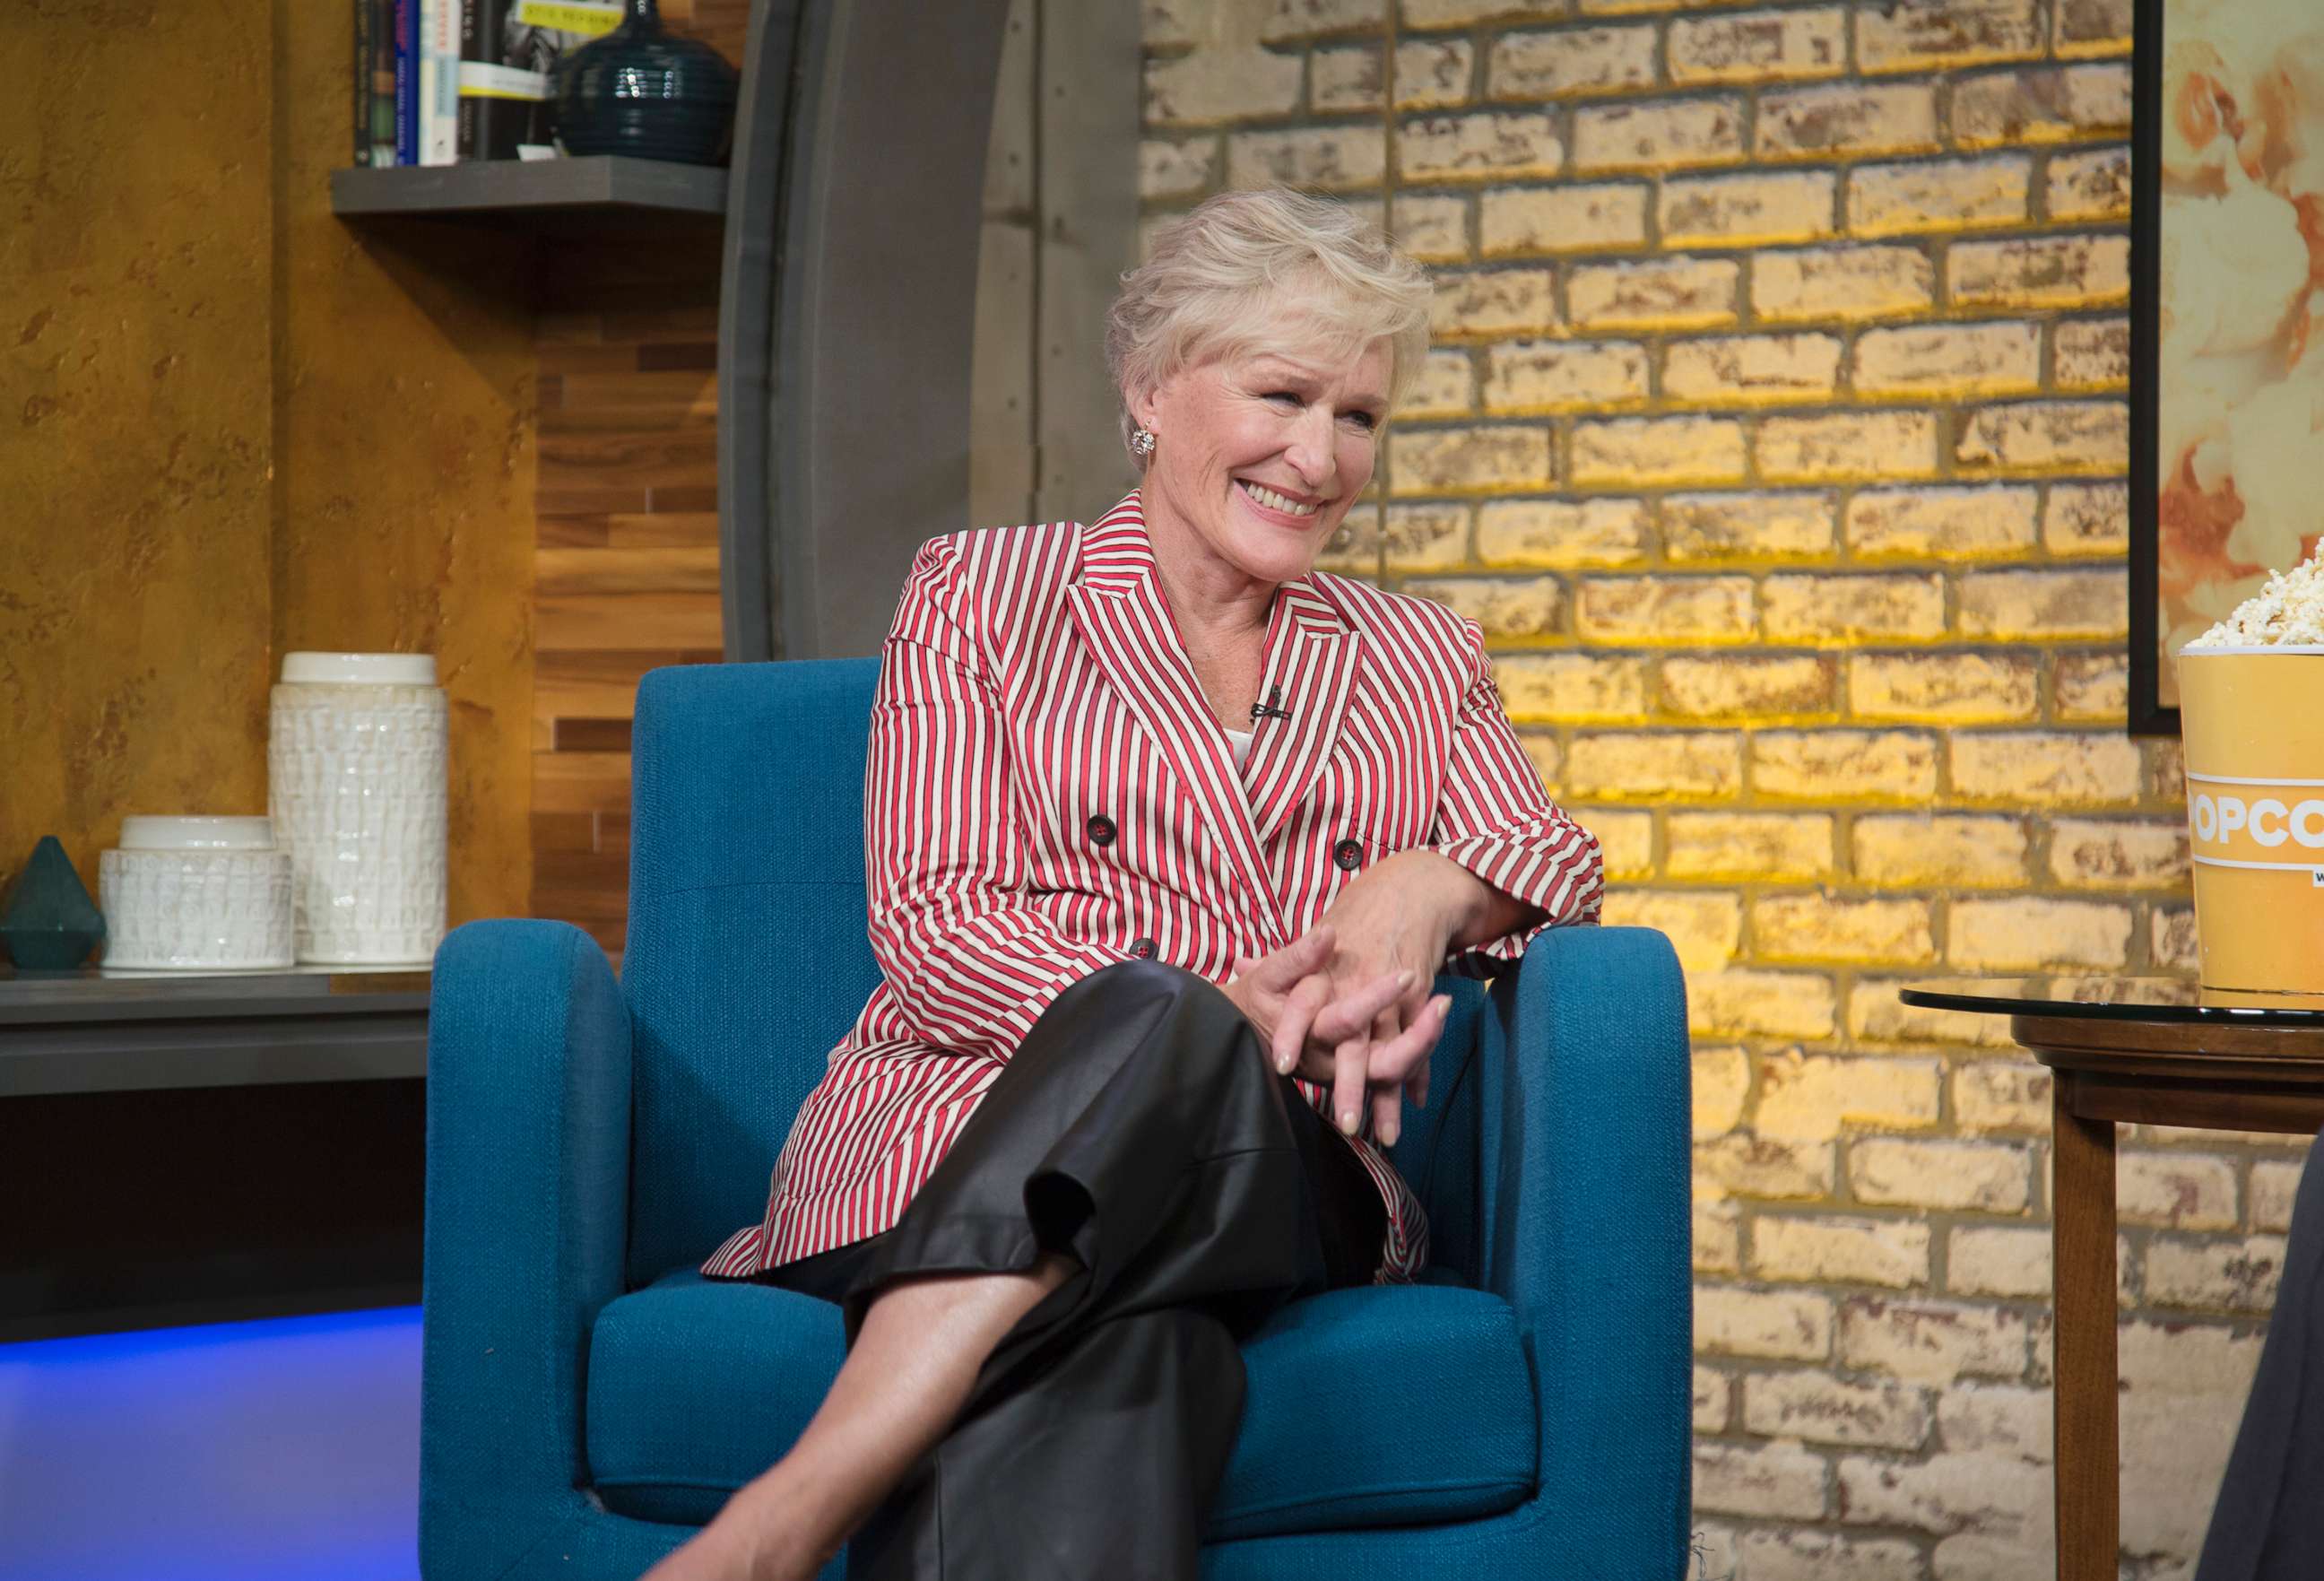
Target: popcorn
[{"x": 2288, "y": 611}]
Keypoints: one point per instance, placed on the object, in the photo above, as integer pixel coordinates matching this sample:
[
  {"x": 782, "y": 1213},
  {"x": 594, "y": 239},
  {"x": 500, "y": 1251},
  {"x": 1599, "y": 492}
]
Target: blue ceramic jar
[{"x": 643, "y": 91}]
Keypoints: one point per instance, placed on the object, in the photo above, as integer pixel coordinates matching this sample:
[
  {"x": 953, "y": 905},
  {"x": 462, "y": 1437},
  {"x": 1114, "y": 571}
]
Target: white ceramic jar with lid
[
  {"x": 195, "y": 894},
  {"x": 356, "y": 781}
]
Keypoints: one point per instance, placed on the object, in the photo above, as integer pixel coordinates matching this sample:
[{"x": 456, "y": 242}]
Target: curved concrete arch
[{"x": 846, "y": 311}]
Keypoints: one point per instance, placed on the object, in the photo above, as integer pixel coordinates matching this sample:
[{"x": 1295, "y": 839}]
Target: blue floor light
[{"x": 281, "y": 1450}]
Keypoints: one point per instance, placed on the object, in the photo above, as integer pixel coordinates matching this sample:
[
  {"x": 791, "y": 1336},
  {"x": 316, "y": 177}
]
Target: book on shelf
[
  {"x": 375, "y": 82},
  {"x": 360, "y": 78},
  {"x": 509, "y": 54},
  {"x": 438, "y": 81},
  {"x": 407, "y": 81}
]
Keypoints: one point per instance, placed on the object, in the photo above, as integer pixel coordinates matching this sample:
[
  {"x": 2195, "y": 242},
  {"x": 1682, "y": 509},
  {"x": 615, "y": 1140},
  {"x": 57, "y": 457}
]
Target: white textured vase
[
  {"x": 357, "y": 777},
  {"x": 198, "y": 894}
]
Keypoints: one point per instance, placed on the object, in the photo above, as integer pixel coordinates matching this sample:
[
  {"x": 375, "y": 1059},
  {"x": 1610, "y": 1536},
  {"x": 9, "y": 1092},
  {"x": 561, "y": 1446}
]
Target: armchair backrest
[{"x": 747, "y": 958}]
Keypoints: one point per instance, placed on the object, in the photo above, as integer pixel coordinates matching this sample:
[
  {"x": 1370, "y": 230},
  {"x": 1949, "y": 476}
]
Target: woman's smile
[{"x": 1275, "y": 506}]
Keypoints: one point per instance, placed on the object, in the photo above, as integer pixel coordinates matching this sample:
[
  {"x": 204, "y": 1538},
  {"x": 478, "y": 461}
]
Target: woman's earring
[{"x": 1142, "y": 443}]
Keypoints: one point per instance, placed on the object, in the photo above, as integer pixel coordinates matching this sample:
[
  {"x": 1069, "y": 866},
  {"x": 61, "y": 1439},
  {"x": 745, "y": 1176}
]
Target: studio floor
[{"x": 282, "y": 1451}]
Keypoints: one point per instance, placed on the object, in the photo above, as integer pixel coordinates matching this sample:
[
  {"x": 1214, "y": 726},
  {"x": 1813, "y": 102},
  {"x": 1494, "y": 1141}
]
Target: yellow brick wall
[{"x": 1775, "y": 434}]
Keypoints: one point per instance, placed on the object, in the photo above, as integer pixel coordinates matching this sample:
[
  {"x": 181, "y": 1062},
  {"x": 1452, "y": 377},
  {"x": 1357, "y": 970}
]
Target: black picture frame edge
[{"x": 2147, "y": 716}]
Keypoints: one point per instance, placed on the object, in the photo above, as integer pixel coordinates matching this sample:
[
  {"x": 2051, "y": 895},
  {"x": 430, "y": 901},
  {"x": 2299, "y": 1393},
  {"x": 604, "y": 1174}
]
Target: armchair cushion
[
  {"x": 1383, "y": 1406},
  {"x": 1370, "y": 1407},
  {"x": 697, "y": 1385}
]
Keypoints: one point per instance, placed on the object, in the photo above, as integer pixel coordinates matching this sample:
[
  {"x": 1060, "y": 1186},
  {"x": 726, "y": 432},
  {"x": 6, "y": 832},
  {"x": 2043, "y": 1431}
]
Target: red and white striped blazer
[{"x": 1048, "y": 792}]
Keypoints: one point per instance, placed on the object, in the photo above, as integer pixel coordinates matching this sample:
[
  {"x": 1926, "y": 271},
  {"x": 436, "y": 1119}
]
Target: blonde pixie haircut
[{"x": 1269, "y": 270}]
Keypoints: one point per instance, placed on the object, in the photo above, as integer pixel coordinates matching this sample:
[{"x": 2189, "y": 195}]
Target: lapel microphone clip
[{"x": 1267, "y": 710}]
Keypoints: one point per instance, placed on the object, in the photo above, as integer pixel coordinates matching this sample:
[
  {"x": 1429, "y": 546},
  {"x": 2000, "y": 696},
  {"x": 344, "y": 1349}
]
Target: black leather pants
[{"x": 1139, "y": 1131}]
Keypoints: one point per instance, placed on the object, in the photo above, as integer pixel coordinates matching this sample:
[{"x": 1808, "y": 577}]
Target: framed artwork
[{"x": 2227, "y": 457}]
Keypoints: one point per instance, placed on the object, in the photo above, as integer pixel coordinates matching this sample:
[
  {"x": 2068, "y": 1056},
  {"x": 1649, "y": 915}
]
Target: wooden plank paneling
[
  {"x": 592, "y": 735},
  {"x": 664, "y": 288},
  {"x": 655, "y": 460},
  {"x": 580, "y": 781},
  {"x": 562, "y": 832},
  {"x": 578, "y": 885},
  {"x": 601, "y": 683},
  {"x": 570, "y": 531},
  {"x": 561, "y": 571},
  {"x": 625, "y": 563},
  {"x": 585, "y": 498},
  {"x": 642, "y": 417},
  {"x": 671, "y": 529},
  {"x": 622, "y": 620},
  {"x": 613, "y": 834},
  {"x": 618, "y": 390},
  {"x": 593, "y": 357}
]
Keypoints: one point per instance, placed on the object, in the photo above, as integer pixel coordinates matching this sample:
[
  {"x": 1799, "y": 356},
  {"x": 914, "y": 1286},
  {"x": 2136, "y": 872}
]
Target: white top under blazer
[{"x": 1048, "y": 792}]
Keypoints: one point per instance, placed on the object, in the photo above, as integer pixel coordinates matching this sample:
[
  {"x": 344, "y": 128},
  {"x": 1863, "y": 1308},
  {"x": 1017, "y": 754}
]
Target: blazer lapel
[
  {"x": 1125, "y": 621},
  {"x": 1310, "y": 668}
]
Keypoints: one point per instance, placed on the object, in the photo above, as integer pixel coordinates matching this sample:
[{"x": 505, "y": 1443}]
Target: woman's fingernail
[
  {"x": 1387, "y": 1134},
  {"x": 1283, "y": 1066},
  {"x": 1347, "y": 1122}
]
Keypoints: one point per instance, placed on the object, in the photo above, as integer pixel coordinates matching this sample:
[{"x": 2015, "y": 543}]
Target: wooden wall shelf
[{"x": 601, "y": 193}]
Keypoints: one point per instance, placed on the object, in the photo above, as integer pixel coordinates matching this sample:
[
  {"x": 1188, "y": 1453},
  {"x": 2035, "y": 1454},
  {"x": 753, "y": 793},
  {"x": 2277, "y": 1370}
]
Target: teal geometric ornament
[{"x": 47, "y": 921}]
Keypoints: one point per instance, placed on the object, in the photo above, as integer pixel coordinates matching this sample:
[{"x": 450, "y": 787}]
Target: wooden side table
[{"x": 2130, "y": 1050}]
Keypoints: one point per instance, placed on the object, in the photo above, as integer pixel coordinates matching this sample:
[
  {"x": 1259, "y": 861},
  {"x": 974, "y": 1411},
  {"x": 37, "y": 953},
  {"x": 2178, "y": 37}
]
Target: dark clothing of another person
[
  {"x": 2269, "y": 1522},
  {"x": 1140, "y": 1130}
]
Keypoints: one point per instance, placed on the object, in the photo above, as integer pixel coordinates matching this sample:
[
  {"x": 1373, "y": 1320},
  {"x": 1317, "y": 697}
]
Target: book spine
[
  {"x": 464, "y": 136},
  {"x": 440, "y": 82},
  {"x": 381, "y": 68},
  {"x": 359, "y": 82},
  {"x": 407, "y": 83}
]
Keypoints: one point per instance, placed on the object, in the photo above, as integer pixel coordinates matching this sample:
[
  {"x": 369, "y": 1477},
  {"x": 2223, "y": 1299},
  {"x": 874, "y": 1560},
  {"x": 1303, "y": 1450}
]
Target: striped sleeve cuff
[{"x": 1553, "y": 864}]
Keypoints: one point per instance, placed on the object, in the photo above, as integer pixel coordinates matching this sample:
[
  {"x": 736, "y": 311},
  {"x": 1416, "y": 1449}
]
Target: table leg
[{"x": 2089, "y": 1472}]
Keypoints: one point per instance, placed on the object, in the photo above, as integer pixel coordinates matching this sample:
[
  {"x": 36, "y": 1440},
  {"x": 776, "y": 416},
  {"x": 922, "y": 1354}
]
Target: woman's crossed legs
[
  {"x": 906, "y": 1378},
  {"x": 1140, "y": 1152}
]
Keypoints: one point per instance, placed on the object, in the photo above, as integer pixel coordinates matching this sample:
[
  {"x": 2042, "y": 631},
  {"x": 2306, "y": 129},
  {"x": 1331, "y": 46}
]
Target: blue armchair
[{"x": 588, "y": 1398}]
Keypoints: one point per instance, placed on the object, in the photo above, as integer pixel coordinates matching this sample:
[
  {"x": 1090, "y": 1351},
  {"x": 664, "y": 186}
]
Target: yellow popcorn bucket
[{"x": 2253, "y": 722}]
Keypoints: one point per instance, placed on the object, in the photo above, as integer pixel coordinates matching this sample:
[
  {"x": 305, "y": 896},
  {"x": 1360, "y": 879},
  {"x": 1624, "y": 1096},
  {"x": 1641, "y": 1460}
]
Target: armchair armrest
[
  {"x": 526, "y": 1221},
  {"x": 1583, "y": 1176}
]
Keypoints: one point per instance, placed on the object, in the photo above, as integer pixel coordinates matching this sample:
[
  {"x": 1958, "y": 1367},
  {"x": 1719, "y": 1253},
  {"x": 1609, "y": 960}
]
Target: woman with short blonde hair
[
  {"x": 1251, "y": 267},
  {"x": 1168, "y": 835}
]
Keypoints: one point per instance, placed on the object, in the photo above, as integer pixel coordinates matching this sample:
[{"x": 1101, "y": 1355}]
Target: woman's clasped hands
[{"x": 1348, "y": 1002}]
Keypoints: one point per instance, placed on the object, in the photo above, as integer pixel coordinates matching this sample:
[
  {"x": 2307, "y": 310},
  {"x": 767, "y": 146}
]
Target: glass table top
[{"x": 2153, "y": 999}]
